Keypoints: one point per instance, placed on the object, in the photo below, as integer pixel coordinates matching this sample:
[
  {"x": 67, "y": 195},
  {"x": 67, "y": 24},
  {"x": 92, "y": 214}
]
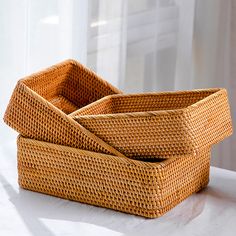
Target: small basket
[
  {"x": 159, "y": 124},
  {"x": 40, "y": 105},
  {"x": 142, "y": 188}
]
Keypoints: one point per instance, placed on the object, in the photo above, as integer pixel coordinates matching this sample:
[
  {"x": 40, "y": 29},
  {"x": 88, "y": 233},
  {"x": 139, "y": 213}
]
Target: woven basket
[
  {"x": 143, "y": 188},
  {"x": 40, "y": 105},
  {"x": 159, "y": 124}
]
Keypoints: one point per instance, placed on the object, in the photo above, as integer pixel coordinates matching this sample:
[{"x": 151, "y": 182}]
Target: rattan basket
[
  {"x": 159, "y": 124},
  {"x": 143, "y": 188},
  {"x": 40, "y": 105}
]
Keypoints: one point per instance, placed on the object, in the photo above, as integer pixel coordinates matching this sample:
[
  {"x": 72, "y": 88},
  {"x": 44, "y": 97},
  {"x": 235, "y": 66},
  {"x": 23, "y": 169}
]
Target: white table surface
[{"x": 210, "y": 212}]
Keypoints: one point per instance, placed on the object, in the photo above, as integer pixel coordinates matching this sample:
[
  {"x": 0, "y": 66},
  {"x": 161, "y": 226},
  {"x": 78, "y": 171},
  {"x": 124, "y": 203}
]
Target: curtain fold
[{"x": 214, "y": 62}]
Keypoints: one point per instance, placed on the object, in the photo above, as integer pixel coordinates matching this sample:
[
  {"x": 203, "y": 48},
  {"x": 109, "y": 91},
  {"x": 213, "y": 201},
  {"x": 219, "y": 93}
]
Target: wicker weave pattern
[
  {"x": 39, "y": 105},
  {"x": 159, "y": 124},
  {"x": 143, "y": 188}
]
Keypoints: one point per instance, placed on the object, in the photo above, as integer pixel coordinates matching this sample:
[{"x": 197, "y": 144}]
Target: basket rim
[
  {"x": 67, "y": 63},
  {"x": 179, "y": 111},
  {"x": 106, "y": 157}
]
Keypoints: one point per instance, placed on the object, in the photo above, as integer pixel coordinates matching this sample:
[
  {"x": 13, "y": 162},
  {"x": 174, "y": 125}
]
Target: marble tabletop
[{"x": 209, "y": 212}]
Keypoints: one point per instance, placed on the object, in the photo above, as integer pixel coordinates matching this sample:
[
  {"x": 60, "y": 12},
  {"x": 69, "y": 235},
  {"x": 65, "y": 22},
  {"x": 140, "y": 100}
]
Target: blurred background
[{"x": 137, "y": 45}]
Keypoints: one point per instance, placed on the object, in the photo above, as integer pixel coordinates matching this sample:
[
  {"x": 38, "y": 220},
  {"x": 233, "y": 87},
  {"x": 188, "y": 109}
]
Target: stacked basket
[{"x": 83, "y": 140}]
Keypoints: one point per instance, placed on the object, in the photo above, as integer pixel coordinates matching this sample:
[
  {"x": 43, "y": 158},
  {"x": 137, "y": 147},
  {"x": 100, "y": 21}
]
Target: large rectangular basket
[
  {"x": 40, "y": 105},
  {"x": 143, "y": 188},
  {"x": 159, "y": 124}
]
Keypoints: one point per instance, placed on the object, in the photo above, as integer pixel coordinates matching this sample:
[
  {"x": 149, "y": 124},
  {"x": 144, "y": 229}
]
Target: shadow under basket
[
  {"x": 161, "y": 124},
  {"x": 142, "y": 188},
  {"x": 41, "y": 102}
]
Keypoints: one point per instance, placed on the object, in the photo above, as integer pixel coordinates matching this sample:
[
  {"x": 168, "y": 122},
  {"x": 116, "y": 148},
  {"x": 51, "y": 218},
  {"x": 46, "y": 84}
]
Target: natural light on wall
[{"x": 51, "y": 20}]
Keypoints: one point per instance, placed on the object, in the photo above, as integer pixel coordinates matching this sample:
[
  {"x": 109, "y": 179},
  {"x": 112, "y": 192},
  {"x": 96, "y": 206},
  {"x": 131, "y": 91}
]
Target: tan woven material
[
  {"x": 159, "y": 124},
  {"x": 67, "y": 109},
  {"x": 143, "y": 188},
  {"x": 40, "y": 105}
]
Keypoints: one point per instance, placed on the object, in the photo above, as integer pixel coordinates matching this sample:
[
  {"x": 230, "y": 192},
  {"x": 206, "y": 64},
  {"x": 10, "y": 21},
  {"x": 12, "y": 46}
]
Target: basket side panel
[
  {"x": 34, "y": 117},
  {"x": 82, "y": 86},
  {"x": 210, "y": 121},
  {"x": 101, "y": 181},
  {"x": 83, "y": 178},
  {"x": 95, "y": 108},
  {"x": 160, "y": 101},
  {"x": 48, "y": 83},
  {"x": 184, "y": 175},
  {"x": 143, "y": 136}
]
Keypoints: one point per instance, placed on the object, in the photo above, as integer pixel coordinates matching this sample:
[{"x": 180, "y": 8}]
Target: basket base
[{"x": 147, "y": 213}]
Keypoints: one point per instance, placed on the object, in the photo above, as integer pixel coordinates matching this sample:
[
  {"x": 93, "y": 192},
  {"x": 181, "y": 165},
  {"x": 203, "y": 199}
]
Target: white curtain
[{"x": 137, "y": 45}]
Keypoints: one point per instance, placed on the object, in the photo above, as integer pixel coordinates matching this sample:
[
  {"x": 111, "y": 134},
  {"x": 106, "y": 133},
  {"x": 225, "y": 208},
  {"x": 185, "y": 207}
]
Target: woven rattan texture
[
  {"x": 159, "y": 124},
  {"x": 40, "y": 104},
  {"x": 147, "y": 189}
]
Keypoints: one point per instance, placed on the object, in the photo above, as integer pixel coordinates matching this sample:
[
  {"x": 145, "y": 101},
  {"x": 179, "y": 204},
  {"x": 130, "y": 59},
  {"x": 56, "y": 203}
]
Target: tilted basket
[
  {"x": 40, "y": 105},
  {"x": 159, "y": 124},
  {"x": 143, "y": 188}
]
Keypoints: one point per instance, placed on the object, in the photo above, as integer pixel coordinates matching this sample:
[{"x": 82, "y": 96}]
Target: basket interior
[
  {"x": 68, "y": 87},
  {"x": 143, "y": 103}
]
